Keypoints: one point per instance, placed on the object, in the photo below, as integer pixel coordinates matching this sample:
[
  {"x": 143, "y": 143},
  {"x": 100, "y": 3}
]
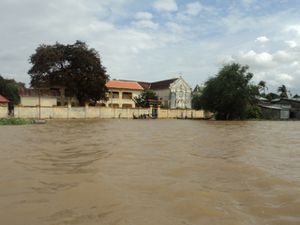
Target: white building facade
[{"x": 173, "y": 93}]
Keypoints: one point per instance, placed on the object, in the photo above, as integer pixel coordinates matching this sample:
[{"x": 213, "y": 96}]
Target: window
[
  {"x": 114, "y": 105},
  {"x": 127, "y": 95},
  {"x": 126, "y": 106},
  {"x": 114, "y": 94}
]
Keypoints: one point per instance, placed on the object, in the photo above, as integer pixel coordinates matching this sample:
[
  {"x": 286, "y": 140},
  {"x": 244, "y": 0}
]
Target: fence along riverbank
[{"x": 98, "y": 112}]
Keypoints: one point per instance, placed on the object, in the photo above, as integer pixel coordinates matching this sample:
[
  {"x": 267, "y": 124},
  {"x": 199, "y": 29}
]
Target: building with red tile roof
[
  {"x": 121, "y": 93},
  {"x": 3, "y": 100},
  {"x": 127, "y": 85},
  {"x": 173, "y": 93}
]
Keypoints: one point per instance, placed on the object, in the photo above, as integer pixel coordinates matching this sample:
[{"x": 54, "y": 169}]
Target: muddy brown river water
[{"x": 150, "y": 172}]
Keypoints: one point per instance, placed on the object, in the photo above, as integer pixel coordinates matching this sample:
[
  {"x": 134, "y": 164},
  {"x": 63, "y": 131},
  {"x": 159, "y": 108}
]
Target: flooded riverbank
[{"x": 150, "y": 172}]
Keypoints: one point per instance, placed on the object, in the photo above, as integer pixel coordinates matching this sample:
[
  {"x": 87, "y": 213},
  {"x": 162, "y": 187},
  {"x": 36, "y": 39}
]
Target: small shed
[
  {"x": 274, "y": 112},
  {"x": 35, "y": 97}
]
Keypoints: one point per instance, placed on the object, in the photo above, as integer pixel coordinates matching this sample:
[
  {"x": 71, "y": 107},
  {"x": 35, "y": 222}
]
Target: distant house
[
  {"x": 54, "y": 96},
  {"x": 38, "y": 97},
  {"x": 173, "y": 93},
  {"x": 281, "y": 108},
  {"x": 3, "y": 101},
  {"x": 292, "y": 103},
  {"x": 275, "y": 112},
  {"x": 121, "y": 93}
]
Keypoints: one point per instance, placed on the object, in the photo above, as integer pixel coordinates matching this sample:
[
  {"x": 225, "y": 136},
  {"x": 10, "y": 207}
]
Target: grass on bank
[{"x": 15, "y": 121}]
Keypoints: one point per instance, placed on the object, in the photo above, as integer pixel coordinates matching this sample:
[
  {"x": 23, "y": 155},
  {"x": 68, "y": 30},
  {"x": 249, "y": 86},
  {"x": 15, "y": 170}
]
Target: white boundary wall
[
  {"x": 3, "y": 111},
  {"x": 100, "y": 112}
]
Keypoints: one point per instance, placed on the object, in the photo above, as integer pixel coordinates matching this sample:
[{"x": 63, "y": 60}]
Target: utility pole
[{"x": 39, "y": 103}]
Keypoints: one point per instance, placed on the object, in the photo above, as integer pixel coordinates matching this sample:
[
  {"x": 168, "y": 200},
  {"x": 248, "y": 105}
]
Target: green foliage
[
  {"x": 74, "y": 67},
  {"x": 229, "y": 93},
  {"x": 144, "y": 99},
  {"x": 283, "y": 92},
  {"x": 15, "y": 121},
  {"x": 270, "y": 96},
  {"x": 262, "y": 88},
  {"x": 9, "y": 88},
  {"x": 196, "y": 97},
  {"x": 254, "y": 112}
]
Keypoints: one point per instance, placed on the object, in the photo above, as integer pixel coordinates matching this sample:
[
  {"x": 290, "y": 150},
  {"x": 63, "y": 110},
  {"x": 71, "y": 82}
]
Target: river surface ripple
[{"x": 150, "y": 172}]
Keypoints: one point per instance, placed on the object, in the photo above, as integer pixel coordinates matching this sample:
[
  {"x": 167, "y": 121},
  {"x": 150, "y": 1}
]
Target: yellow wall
[
  {"x": 180, "y": 113},
  {"x": 3, "y": 111},
  {"x": 34, "y": 101},
  {"x": 120, "y": 101},
  {"x": 100, "y": 112}
]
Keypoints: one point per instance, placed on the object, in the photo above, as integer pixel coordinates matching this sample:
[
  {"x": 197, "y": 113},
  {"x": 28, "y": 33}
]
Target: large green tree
[
  {"x": 229, "y": 94},
  {"x": 10, "y": 89},
  {"x": 75, "y": 67},
  {"x": 146, "y": 98},
  {"x": 196, "y": 97}
]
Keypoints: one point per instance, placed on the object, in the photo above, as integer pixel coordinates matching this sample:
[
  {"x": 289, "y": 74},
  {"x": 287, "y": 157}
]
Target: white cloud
[
  {"x": 262, "y": 39},
  {"x": 144, "y": 20},
  {"x": 143, "y": 16},
  {"x": 146, "y": 24},
  {"x": 165, "y": 5},
  {"x": 174, "y": 27},
  {"x": 283, "y": 56},
  {"x": 263, "y": 59},
  {"x": 291, "y": 43},
  {"x": 132, "y": 44},
  {"x": 294, "y": 28},
  {"x": 283, "y": 77},
  {"x": 248, "y": 2},
  {"x": 194, "y": 8}
]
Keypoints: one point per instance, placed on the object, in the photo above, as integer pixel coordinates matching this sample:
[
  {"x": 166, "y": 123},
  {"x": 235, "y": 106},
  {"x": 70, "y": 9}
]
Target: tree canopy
[
  {"x": 144, "y": 99},
  {"x": 9, "y": 88},
  {"x": 196, "y": 97},
  {"x": 229, "y": 94},
  {"x": 74, "y": 67},
  {"x": 283, "y": 92}
]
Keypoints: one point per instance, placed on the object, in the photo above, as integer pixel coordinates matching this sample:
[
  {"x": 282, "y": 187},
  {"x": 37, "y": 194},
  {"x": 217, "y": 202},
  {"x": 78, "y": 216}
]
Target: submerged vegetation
[{"x": 15, "y": 121}]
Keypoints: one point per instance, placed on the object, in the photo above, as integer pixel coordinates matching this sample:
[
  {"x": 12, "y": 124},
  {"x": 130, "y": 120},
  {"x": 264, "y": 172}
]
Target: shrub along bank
[{"x": 15, "y": 121}]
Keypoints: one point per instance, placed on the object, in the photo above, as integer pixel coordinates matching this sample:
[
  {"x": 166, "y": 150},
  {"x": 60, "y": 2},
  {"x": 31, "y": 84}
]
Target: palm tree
[
  {"x": 283, "y": 91},
  {"x": 262, "y": 86}
]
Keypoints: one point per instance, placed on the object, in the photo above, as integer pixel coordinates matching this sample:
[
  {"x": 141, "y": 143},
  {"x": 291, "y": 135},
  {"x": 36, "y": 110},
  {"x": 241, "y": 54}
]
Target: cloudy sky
[{"x": 160, "y": 39}]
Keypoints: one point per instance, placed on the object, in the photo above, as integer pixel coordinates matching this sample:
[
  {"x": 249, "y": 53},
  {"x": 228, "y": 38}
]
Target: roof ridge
[{"x": 175, "y": 78}]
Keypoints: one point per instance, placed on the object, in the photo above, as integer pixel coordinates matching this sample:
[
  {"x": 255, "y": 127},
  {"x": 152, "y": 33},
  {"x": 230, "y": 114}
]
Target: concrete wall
[
  {"x": 3, "y": 111},
  {"x": 100, "y": 112},
  {"x": 180, "y": 113},
  {"x": 34, "y": 101}
]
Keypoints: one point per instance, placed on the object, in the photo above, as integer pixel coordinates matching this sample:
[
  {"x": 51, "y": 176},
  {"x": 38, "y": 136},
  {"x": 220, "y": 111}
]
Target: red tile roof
[
  {"x": 3, "y": 99},
  {"x": 130, "y": 85},
  {"x": 145, "y": 85}
]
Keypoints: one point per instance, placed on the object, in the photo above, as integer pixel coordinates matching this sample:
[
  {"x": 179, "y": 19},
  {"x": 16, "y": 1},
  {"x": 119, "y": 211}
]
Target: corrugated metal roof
[{"x": 130, "y": 85}]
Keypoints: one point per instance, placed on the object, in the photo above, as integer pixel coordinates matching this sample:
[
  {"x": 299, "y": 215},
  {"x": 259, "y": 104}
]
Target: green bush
[
  {"x": 254, "y": 112},
  {"x": 15, "y": 121}
]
